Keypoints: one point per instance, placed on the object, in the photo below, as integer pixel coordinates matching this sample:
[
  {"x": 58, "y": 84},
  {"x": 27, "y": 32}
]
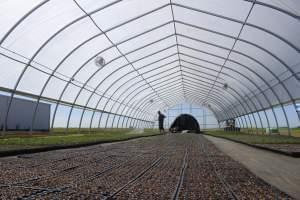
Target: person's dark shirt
[{"x": 161, "y": 117}]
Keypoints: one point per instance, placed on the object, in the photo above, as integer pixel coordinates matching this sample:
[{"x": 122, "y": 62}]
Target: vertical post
[
  {"x": 298, "y": 111},
  {"x": 168, "y": 115},
  {"x": 204, "y": 119},
  {"x": 181, "y": 109}
]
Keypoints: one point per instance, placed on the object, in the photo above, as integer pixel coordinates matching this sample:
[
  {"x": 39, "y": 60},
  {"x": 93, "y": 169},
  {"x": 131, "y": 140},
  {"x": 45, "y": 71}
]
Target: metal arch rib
[
  {"x": 263, "y": 67},
  {"x": 144, "y": 107},
  {"x": 91, "y": 75},
  {"x": 162, "y": 107},
  {"x": 100, "y": 69},
  {"x": 275, "y": 8},
  {"x": 245, "y": 110},
  {"x": 129, "y": 81},
  {"x": 240, "y": 22},
  {"x": 243, "y": 54},
  {"x": 21, "y": 20},
  {"x": 124, "y": 99},
  {"x": 242, "y": 40},
  {"x": 37, "y": 52},
  {"x": 240, "y": 82},
  {"x": 101, "y": 96},
  {"x": 233, "y": 46},
  {"x": 130, "y": 100},
  {"x": 116, "y": 46},
  {"x": 241, "y": 97},
  {"x": 128, "y": 73},
  {"x": 145, "y": 101},
  {"x": 103, "y": 51},
  {"x": 145, "y": 98},
  {"x": 175, "y": 31},
  {"x": 117, "y": 110},
  {"x": 249, "y": 80},
  {"x": 171, "y": 96},
  {"x": 138, "y": 82},
  {"x": 124, "y": 107},
  {"x": 79, "y": 46},
  {"x": 261, "y": 78},
  {"x": 131, "y": 72},
  {"x": 61, "y": 30},
  {"x": 35, "y": 96}
]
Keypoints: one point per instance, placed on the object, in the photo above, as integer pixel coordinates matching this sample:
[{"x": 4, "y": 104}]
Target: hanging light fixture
[
  {"x": 151, "y": 101},
  {"x": 99, "y": 61}
]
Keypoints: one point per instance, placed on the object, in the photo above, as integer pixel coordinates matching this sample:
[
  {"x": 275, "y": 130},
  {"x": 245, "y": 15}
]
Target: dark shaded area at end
[{"x": 185, "y": 122}]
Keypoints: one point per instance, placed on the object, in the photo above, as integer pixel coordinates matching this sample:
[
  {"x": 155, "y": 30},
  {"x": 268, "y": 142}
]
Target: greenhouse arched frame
[{"x": 240, "y": 59}]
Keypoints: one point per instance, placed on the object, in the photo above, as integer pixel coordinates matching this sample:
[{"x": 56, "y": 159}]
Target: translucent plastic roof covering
[{"x": 158, "y": 53}]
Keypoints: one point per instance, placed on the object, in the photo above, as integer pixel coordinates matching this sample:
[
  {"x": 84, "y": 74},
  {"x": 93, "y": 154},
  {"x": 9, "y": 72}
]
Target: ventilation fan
[
  {"x": 225, "y": 86},
  {"x": 99, "y": 61}
]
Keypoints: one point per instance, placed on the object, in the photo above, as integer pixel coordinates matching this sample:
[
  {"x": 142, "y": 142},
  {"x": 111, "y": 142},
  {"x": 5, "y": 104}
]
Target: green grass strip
[
  {"x": 27, "y": 142},
  {"x": 256, "y": 139}
]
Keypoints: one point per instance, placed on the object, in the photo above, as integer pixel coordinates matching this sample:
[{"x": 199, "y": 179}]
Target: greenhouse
[{"x": 199, "y": 88}]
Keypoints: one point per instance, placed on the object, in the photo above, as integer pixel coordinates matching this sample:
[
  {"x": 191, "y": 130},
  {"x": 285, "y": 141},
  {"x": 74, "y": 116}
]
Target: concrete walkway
[{"x": 278, "y": 170}]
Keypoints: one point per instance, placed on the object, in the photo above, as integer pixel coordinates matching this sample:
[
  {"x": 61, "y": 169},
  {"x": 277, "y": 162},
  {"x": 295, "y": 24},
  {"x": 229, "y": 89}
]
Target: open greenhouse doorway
[
  {"x": 185, "y": 122},
  {"x": 204, "y": 116}
]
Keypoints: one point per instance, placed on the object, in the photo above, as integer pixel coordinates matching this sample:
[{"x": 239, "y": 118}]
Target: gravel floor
[{"x": 185, "y": 166}]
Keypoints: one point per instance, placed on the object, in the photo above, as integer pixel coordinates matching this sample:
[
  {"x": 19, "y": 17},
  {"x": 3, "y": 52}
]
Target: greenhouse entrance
[{"x": 185, "y": 122}]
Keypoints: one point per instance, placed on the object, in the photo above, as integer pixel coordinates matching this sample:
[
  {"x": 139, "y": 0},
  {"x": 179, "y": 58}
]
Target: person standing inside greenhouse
[{"x": 161, "y": 118}]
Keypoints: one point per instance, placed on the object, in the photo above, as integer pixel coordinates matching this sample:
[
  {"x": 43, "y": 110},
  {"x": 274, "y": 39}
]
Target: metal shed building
[{"x": 21, "y": 113}]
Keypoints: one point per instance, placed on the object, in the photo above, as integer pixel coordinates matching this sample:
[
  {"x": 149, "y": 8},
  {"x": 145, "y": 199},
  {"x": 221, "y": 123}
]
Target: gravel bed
[
  {"x": 164, "y": 177},
  {"x": 200, "y": 182},
  {"x": 178, "y": 166}
]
